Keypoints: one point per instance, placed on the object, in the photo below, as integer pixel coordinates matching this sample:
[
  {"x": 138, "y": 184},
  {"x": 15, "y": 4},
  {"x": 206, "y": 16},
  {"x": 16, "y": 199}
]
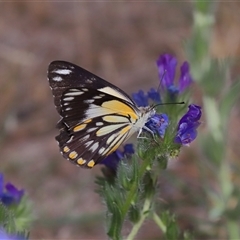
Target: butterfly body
[{"x": 96, "y": 116}]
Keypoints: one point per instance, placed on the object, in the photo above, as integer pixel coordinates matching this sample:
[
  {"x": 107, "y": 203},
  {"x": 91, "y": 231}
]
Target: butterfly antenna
[
  {"x": 160, "y": 84},
  {"x": 158, "y": 90},
  {"x": 167, "y": 103}
]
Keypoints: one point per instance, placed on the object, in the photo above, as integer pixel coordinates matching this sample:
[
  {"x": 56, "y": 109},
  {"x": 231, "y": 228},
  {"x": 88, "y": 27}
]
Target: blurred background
[{"x": 119, "y": 41}]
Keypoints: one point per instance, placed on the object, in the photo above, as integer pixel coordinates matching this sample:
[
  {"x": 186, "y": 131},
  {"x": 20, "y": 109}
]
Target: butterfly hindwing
[
  {"x": 96, "y": 115},
  {"x": 90, "y": 142}
]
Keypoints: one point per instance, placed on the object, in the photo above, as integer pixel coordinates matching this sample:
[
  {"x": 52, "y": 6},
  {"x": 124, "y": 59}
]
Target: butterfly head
[{"x": 147, "y": 112}]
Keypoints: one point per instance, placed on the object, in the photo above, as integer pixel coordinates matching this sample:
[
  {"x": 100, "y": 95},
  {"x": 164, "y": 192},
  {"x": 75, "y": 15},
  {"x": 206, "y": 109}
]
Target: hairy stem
[{"x": 144, "y": 213}]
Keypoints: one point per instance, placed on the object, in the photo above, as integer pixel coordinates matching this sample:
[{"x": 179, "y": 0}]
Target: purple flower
[
  {"x": 154, "y": 95},
  {"x": 6, "y": 236},
  {"x": 112, "y": 160},
  {"x": 158, "y": 124},
  {"x": 185, "y": 78},
  {"x": 167, "y": 68},
  {"x": 128, "y": 149},
  {"x": 188, "y": 124},
  {"x": 193, "y": 115},
  {"x": 9, "y": 194},
  {"x": 140, "y": 98}
]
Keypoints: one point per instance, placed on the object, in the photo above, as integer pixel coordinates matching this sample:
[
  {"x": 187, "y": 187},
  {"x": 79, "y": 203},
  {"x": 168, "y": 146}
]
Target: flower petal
[
  {"x": 194, "y": 114},
  {"x": 12, "y": 195},
  {"x": 158, "y": 124},
  {"x": 112, "y": 160},
  {"x": 128, "y": 149},
  {"x": 166, "y": 69},
  {"x": 154, "y": 95},
  {"x": 187, "y": 133},
  {"x": 7, "y": 236},
  {"x": 14, "y": 192},
  {"x": 173, "y": 92},
  {"x": 188, "y": 124},
  {"x": 185, "y": 77},
  {"x": 140, "y": 98}
]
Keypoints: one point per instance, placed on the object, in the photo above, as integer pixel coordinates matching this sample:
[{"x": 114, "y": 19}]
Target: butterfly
[{"x": 96, "y": 116}]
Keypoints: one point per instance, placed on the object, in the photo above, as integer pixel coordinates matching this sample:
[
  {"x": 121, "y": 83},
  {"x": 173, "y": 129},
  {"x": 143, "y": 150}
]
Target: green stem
[
  {"x": 144, "y": 213},
  {"x": 134, "y": 187},
  {"x": 159, "y": 222}
]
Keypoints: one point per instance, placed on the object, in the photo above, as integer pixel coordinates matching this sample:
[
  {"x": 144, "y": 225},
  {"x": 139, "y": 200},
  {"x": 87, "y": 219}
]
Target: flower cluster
[
  {"x": 142, "y": 99},
  {"x": 166, "y": 64},
  {"x": 167, "y": 69},
  {"x": 9, "y": 194},
  {"x": 186, "y": 129},
  {"x": 158, "y": 124}
]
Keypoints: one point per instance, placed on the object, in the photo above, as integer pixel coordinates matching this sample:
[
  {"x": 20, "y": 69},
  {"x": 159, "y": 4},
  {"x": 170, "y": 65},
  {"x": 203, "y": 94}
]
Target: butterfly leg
[{"x": 149, "y": 130}]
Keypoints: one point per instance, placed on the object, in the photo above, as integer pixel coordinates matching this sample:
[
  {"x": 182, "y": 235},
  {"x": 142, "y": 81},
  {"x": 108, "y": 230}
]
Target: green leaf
[
  {"x": 229, "y": 100},
  {"x": 162, "y": 161},
  {"x": 7, "y": 219},
  {"x": 134, "y": 213},
  {"x": 116, "y": 222},
  {"x": 149, "y": 186},
  {"x": 23, "y": 215},
  {"x": 172, "y": 231}
]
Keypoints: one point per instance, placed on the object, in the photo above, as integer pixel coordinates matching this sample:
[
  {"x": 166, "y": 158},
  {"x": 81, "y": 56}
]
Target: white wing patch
[
  {"x": 87, "y": 144},
  {"x": 113, "y": 92},
  {"x": 57, "y": 79},
  {"x": 91, "y": 129},
  {"x": 108, "y": 129},
  {"x": 115, "y": 144},
  {"x": 115, "y": 119},
  {"x": 63, "y": 71},
  {"x": 89, "y": 101},
  {"x": 96, "y": 111},
  {"x": 98, "y": 124},
  {"x": 75, "y": 93},
  {"x": 68, "y": 98},
  {"x": 94, "y": 147}
]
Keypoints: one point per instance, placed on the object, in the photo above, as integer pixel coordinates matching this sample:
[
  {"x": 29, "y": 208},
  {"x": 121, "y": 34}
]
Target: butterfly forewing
[
  {"x": 96, "y": 115},
  {"x": 64, "y": 75}
]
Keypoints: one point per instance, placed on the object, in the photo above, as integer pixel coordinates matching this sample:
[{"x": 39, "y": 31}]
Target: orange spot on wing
[
  {"x": 91, "y": 164},
  {"x": 88, "y": 121},
  {"x": 79, "y": 127},
  {"x": 72, "y": 155},
  {"x": 125, "y": 130},
  {"x": 66, "y": 149},
  {"x": 81, "y": 161}
]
